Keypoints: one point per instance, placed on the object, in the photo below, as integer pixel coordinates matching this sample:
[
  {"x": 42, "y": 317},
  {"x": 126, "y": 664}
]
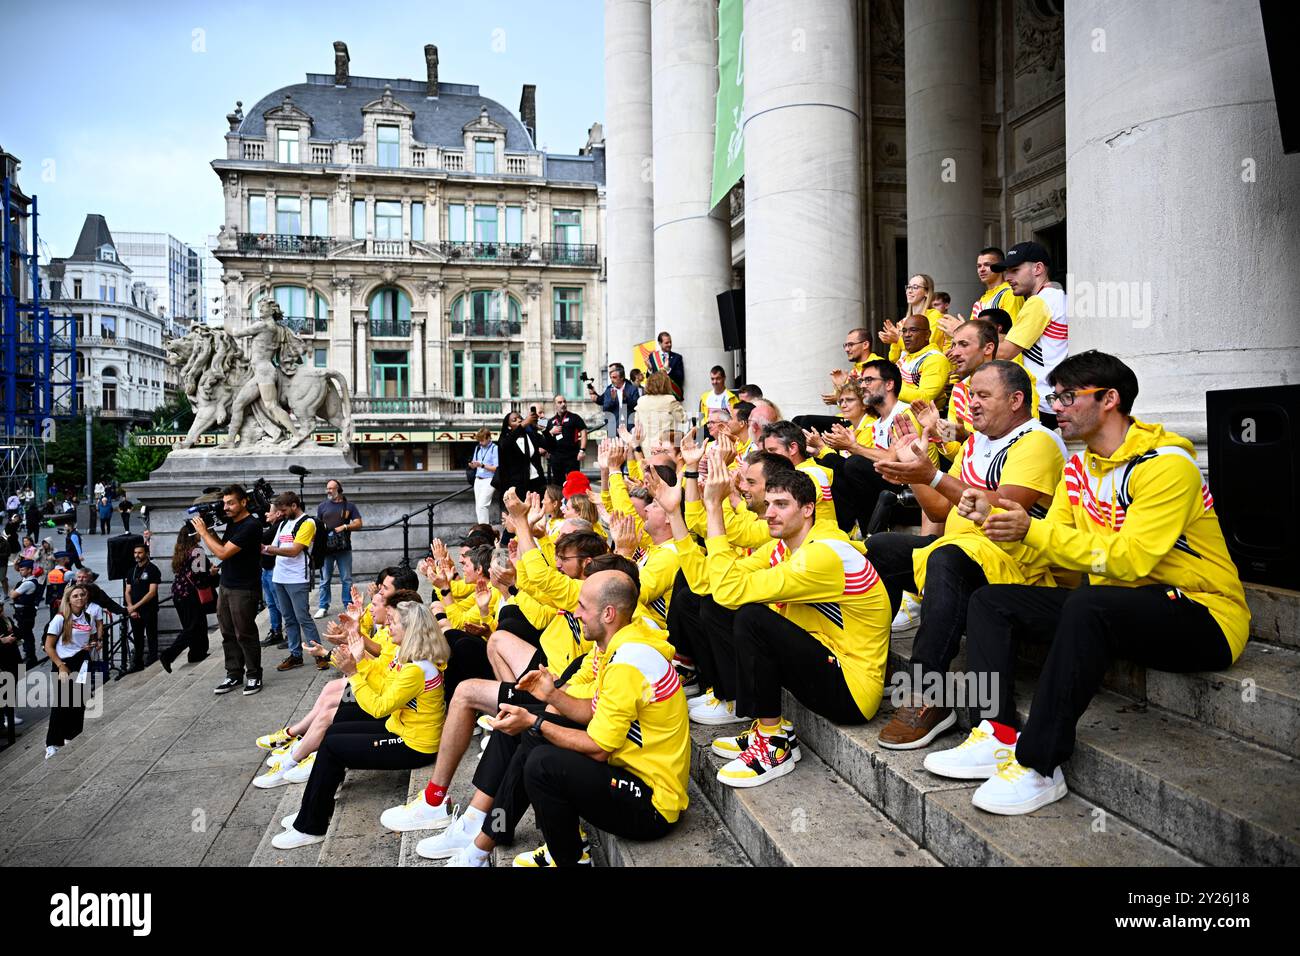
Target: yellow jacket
[
  {"x": 925, "y": 375},
  {"x": 1142, "y": 516},
  {"x": 409, "y": 695}
]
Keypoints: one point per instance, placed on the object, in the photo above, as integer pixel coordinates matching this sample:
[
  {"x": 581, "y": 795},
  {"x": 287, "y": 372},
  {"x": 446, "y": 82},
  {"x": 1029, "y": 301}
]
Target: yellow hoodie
[{"x": 1142, "y": 516}]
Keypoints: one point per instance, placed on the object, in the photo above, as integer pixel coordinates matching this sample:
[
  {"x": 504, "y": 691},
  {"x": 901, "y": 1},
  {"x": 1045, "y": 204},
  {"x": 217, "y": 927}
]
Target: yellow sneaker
[
  {"x": 541, "y": 857},
  {"x": 765, "y": 759},
  {"x": 733, "y": 747},
  {"x": 281, "y": 738}
]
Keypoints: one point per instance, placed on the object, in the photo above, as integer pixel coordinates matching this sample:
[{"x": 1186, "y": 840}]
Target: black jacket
[{"x": 513, "y": 464}]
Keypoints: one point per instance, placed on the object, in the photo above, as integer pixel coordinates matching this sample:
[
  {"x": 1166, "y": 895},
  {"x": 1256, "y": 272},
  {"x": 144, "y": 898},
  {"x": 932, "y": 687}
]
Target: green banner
[{"x": 729, "y": 144}]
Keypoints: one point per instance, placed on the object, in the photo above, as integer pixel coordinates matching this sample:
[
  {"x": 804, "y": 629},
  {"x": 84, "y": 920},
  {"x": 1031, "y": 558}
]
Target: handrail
[{"x": 405, "y": 522}]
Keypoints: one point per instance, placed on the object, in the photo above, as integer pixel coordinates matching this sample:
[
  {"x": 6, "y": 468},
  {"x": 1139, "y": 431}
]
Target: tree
[
  {"x": 136, "y": 462},
  {"x": 176, "y": 415},
  {"x": 67, "y": 452}
]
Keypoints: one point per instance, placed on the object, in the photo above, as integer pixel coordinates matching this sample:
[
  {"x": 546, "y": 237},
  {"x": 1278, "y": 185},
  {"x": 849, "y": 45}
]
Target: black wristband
[
  {"x": 440, "y": 616},
  {"x": 691, "y": 474},
  {"x": 536, "y": 728},
  {"x": 513, "y": 590}
]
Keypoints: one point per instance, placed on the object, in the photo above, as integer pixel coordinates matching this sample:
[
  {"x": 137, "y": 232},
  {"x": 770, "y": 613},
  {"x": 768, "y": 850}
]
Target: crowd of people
[{"x": 722, "y": 565}]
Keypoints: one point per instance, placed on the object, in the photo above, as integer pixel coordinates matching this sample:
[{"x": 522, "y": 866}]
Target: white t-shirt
[
  {"x": 295, "y": 570},
  {"x": 83, "y": 629}
]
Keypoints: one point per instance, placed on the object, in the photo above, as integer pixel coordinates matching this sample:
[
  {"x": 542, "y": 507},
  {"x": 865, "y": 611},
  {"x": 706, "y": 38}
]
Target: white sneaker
[
  {"x": 50, "y": 751},
  {"x": 1015, "y": 789},
  {"x": 319, "y": 613},
  {"x": 467, "y": 857},
  {"x": 301, "y": 771},
  {"x": 484, "y": 723},
  {"x": 908, "y": 617},
  {"x": 714, "y": 711},
  {"x": 732, "y": 747},
  {"x": 457, "y": 836},
  {"x": 18, "y": 721},
  {"x": 278, "y": 754},
  {"x": 416, "y": 815},
  {"x": 703, "y": 698},
  {"x": 291, "y": 839},
  {"x": 483, "y": 743},
  {"x": 975, "y": 758},
  {"x": 287, "y": 822},
  {"x": 277, "y": 776}
]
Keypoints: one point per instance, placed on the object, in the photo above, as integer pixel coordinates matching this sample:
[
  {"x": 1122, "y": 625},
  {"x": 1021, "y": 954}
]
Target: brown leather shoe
[
  {"x": 289, "y": 663},
  {"x": 914, "y": 727}
]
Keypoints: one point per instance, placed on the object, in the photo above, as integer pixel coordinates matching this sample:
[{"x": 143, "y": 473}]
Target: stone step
[
  {"x": 355, "y": 836},
  {"x": 1274, "y": 614},
  {"x": 700, "y": 839},
  {"x": 937, "y": 814},
  {"x": 809, "y": 817}
]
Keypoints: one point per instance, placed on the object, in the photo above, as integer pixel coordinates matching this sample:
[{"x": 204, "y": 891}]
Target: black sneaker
[
  {"x": 282, "y": 646},
  {"x": 252, "y": 686},
  {"x": 166, "y": 664},
  {"x": 272, "y": 639},
  {"x": 227, "y": 685}
]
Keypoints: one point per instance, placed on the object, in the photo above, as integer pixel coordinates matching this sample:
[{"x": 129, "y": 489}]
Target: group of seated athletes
[{"x": 712, "y": 575}]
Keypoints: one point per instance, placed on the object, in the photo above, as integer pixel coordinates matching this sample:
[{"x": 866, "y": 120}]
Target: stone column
[
  {"x": 361, "y": 371},
  {"x": 692, "y": 246},
  {"x": 1184, "y": 212},
  {"x": 945, "y": 219},
  {"x": 629, "y": 213},
  {"x": 416, "y": 360},
  {"x": 803, "y": 202}
]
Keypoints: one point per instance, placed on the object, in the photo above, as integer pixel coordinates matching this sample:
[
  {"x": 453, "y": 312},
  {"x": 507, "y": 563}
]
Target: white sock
[
  {"x": 473, "y": 817},
  {"x": 477, "y": 855},
  {"x": 287, "y": 762}
]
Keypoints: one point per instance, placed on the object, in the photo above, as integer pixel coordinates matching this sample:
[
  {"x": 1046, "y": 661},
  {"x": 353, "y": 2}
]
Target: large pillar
[
  {"x": 945, "y": 172},
  {"x": 1184, "y": 215},
  {"x": 629, "y": 185},
  {"x": 692, "y": 246},
  {"x": 803, "y": 201}
]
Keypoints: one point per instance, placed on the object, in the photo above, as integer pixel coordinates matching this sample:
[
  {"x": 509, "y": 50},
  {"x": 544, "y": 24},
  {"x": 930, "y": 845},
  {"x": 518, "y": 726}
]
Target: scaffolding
[{"x": 38, "y": 368}]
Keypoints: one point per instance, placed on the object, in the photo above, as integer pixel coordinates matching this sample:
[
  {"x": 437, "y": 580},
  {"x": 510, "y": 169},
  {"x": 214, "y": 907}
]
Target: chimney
[
  {"x": 431, "y": 65},
  {"x": 340, "y": 63},
  {"x": 528, "y": 110}
]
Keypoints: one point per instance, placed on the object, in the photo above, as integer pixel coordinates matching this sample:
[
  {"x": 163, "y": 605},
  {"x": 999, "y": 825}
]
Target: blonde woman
[
  {"x": 74, "y": 634},
  {"x": 659, "y": 414},
  {"x": 920, "y": 301},
  {"x": 407, "y": 691}
]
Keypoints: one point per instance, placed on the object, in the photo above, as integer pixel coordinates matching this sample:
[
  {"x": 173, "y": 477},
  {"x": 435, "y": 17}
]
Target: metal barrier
[{"x": 405, "y": 522}]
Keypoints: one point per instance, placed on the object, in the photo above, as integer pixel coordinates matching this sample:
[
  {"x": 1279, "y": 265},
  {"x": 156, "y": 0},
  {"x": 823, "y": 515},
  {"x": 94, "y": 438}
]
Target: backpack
[{"x": 319, "y": 548}]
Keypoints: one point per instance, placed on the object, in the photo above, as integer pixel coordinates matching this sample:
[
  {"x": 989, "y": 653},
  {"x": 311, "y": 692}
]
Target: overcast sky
[{"x": 131, "y": 102}]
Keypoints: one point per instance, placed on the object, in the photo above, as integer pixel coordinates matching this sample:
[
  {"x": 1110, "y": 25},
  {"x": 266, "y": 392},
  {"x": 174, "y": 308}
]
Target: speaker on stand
[{"x": 121, "y": 558}]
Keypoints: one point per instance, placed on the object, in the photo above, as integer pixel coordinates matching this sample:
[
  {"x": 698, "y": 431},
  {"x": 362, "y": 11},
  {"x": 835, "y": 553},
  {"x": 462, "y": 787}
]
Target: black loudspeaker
[
  {"x": 1279, "y": 40},
  {"x": 1254, "y": 456},
  {"x": 731, "y": 313},
  {"x": 120, "y": 555}
]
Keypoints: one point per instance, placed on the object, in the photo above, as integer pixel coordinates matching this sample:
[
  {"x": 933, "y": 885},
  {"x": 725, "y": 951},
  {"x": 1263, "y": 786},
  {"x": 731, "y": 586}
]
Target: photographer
[
  {"x": 618, "y": 401},
  {"x": 520, "y": 456},
  {"x": 240, "y": 554},
  {"x": 294, "y": 533}
]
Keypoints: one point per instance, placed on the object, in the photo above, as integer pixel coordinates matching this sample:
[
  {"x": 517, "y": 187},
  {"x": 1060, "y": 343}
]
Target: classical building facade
[
  {"x": 120, "y": 329},
  {"x": 414, "y": 231},
  {"x": 883, "y": 138}
]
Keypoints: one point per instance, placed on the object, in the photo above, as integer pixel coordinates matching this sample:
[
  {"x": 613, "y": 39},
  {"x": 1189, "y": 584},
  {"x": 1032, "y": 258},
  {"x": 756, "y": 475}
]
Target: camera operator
[
  {"x": 240, "y": 554},
  {"x": 294, "y": 533}
]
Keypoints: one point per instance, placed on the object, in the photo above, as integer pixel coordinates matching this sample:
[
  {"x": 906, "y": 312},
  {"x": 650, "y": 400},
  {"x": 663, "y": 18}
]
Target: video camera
[{"x": 209, "y": 506}]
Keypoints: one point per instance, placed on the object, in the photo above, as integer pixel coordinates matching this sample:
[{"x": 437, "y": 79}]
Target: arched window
[
  {"x": 390, "y": 312},
  {"x": 108, "y": 400},
  {"x": 486, "y": 312},
  {"x": 298, "y": 314},
  {"x": 81, "y": 366}
]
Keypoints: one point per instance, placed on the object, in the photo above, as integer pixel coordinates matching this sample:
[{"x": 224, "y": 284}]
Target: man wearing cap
[
  {"x": 1040, "y": 331},
  {"x": 997, "y": 291}
]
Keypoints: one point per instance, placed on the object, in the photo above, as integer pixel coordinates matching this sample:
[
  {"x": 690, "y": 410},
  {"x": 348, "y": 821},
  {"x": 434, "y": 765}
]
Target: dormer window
[
  {"x": 388, "y": 143},
  {"x": 106, "y": 254},
  {"x": 485, "y": 156},
  {"x": 287, "y": 146}
]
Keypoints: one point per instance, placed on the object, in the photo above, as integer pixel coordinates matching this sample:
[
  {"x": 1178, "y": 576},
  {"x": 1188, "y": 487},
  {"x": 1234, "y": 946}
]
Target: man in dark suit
[{"x": 666, "y": 360}]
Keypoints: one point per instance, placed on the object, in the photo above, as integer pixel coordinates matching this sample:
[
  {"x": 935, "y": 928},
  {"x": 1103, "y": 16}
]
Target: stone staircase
[{"x": 1168, "y": 770}]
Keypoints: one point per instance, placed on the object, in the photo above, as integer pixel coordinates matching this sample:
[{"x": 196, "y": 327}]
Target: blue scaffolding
[{"x": 38, "y": 368}]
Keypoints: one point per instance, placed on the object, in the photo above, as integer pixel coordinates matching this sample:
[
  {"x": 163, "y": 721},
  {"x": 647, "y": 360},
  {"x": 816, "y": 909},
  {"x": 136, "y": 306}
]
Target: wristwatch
[{"x": 536, "y": 728}]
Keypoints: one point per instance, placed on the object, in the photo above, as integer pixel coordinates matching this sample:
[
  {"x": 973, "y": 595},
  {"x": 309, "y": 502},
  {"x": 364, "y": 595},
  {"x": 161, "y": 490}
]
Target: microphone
[{"x": 299, "y": 470}]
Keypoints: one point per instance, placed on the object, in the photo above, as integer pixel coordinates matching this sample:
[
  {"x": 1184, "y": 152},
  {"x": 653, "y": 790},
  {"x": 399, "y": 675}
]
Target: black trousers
[
  {"x": 359, "y": 745},
  {"x": 560, "y": 465},
  {"x": 565, "y": 785},
  {"x": 349, "y": 711},
  {"x": 500, "y": 775},
  {"x": 144, "y": 629},
  {"x": 511, "y": 619},
  {"x": 25, "y": 627},
  {"x": 1087, "y": 628},
  {"x": 194, "y": 631},
  {"x": 468, "y": 661},
  {"x": 237, "y": 618},
  {"x": 68, "y": 707},
  {"x": 774, "y": 653},
  {"x": 105, "y": 525},
  {"x": 951, "y": 577},
  {"x": 126, "y": 521},
  {"x": 858, "y": 486}
]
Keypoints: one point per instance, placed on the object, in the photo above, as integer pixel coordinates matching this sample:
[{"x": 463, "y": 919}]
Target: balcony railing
[
  {"x": 567, "y": 329},
  {"x": 373, "y": 405},
  {"x": 307, "y": 325},
  {"x": 569, "y": 254},
  {"x": 486, "y": 251},
  {"x": 281, "y": 244},
  {"x": 388, "y": 247},
  {"x": 254, "y": 150},
  {"x": 430, "y": 411},
  {"x": 390, "y": 328},
  {"x": 487, "y": 328}
]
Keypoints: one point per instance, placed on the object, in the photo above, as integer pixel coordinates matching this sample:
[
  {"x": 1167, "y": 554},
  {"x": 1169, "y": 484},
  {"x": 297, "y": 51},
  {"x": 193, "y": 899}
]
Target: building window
[
  {"x": 288, "y": 216},
  {"x": 514, "y": 223},
  {"x": 566, "y": 227},
  {"x": 568, "y": 372},
  {"x": 109, "y": 390},
  {"x": 83, "y": 328},
  {"x": 108, "y": 328},
  {"x": 492, "y": 312},
  {"x": 293, "y": 302},
  {"x": 320, "y": 217},
  {"x": 456, "y": 222},
  {"x": 388, "y": 220},
  {"x": 388, "y": 145},
  {"x": 81, "y": 398},
  {"x": 81, "y": 365},
  {"x": 390, "y": 312},
  {"x": 257, "y": 214},
  {"x": 487, "y": 375},
  {"x": 568, "y": 313},
  {"x": 76, "y": 288},
  {"x": 288, "y": 145},
  {"x": 390, "y": 374},
  {"x": 320, "y": 358},
  {"x": 417, "y": 221},
  {"x": 515, "y": 390},
  {"x": 485, "y": 223},
  {"x": 485, "y": 156},
  {"x": 358, "y": 219},
  {"x": 458, "y": 373}
]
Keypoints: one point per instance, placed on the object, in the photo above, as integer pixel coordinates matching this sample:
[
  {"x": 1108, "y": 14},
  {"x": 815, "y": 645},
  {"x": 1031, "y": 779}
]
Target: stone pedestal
[{"x": 1184, "y": 213}]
